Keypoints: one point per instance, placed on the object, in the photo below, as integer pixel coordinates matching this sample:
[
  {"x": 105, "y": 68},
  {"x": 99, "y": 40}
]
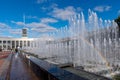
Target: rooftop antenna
[
  {"x": 24, "y": 20},
  {"x": 24, "y": 30}
]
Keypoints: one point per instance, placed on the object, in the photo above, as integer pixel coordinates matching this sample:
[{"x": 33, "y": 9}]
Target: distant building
[
  {"x": 8, "y": 43},
  {"x": 24, "y": 33}
]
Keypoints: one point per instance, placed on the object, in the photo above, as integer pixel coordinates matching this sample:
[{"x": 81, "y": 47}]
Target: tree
[{"x": 118, "y": 22}]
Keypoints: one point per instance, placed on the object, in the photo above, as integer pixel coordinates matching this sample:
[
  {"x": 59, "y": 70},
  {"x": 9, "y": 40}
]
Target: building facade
[{"x": 7, "y": 43}]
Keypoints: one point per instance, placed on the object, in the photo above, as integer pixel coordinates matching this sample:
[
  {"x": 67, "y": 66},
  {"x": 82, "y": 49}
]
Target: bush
[{"x": 116, "y": 77}]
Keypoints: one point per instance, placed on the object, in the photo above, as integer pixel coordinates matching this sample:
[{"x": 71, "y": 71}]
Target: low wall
[{"x": 48, "y": 71}]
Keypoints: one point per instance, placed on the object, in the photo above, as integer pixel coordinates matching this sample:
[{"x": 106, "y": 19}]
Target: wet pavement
[
  {"x": 4, "y": 54},
  {"x": 1, "y": 62},
  {"x": 4, "y": 67},
  {"x": 20, "y": 71}
]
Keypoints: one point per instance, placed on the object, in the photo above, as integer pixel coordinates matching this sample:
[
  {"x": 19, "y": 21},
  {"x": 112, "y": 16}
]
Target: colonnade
[{"x": 12, "y": 43}]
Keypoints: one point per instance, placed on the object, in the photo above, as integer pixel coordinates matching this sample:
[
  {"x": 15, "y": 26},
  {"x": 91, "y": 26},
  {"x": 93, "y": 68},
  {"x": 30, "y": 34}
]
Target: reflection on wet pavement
[
  {"x": 4, "y": 67},
  {"x": 19, "y": 71}
]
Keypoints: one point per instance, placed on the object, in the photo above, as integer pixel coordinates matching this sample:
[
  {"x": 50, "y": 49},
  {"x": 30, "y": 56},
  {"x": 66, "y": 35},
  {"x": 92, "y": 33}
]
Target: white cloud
[
  {"x": 44, "y": 8},
  {"x": 49, "y": 8},
  {"x": 18, "y": 23},
  {"x": 15, "y": 31},
  {"x": 40, "y": 27},
  {"x": 31, "y": 17},
  {"x": 54, "y": 5},
  {"x": 41, "y": 1},
  {"x": 63, "y": 14},
  {"x": 43, "y": 30},
  {"x": 34, "y": 24},
  {"x": 102, "y": 8},
  {"x": 118, "y": 12},
  {"x": 79, "y": 9},
  {"x": 107, "y": 8},
  {"x": 4, "y": 26},
  {"x": 48, "y": 20}
]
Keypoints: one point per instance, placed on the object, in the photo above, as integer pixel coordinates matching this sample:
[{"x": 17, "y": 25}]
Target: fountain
[{"x": 92, "y": 44}]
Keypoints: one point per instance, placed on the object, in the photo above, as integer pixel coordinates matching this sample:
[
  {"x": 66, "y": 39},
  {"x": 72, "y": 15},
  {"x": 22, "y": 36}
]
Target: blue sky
[{"x": 42, "y": 16}]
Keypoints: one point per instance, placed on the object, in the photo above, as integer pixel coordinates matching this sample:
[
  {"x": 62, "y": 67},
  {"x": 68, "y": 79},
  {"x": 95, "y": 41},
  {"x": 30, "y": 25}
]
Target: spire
[
  {"x": 24, "y": 20},
  {"x": 24, "y": 30}
]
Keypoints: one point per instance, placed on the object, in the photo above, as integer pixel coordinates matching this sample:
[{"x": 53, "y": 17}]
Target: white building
[{"x": 7, "y": 43}]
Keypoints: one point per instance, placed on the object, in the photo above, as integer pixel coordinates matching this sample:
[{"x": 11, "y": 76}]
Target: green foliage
[
  {"x": 116, "y": 77},
  {"x": 118, "y": 21}
]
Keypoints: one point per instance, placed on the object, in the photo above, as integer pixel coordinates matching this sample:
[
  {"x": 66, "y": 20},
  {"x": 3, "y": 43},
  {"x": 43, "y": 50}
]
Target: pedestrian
[
  {"x": 0, "y": 49},
  {"x": 16, "y": 50}
]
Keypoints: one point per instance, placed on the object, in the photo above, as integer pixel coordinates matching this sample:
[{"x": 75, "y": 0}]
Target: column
[
  {"x": 22, "y": 43},
  {"x": 26, "y": 44},
  {"x": 10, "y": 44},
  {"x": 15, "y": 43},
  {"x": 19, "y": 43},
  {"x": 30, "y": 44},
  {"x": 2, "y": 43},
  {"x": 6, "y": 45}
]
